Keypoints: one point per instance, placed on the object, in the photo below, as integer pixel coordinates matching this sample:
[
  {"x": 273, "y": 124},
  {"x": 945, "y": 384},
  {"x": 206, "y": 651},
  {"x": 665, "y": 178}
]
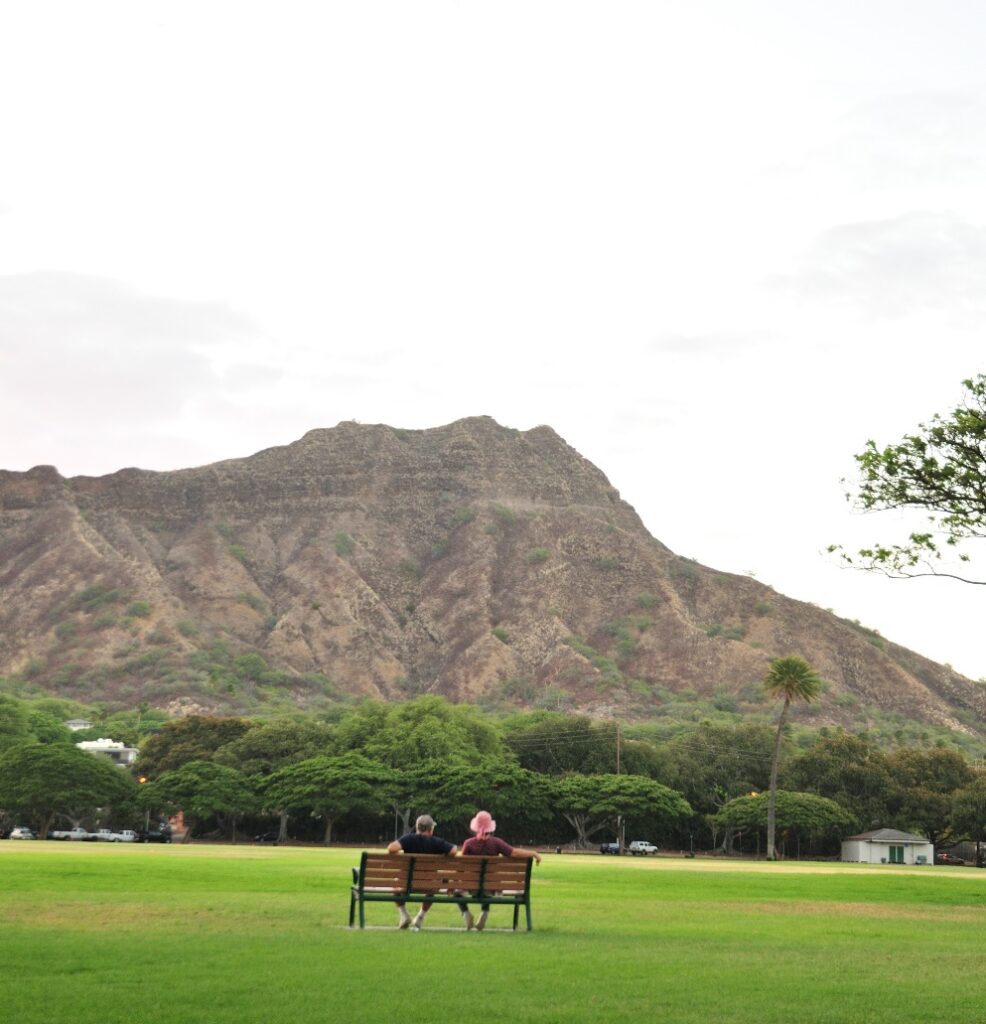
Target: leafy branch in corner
[{"x": 940, "y": 469}]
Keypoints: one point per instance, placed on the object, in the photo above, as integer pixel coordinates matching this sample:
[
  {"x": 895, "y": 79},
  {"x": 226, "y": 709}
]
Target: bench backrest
[{"x": 430, "y": 872}]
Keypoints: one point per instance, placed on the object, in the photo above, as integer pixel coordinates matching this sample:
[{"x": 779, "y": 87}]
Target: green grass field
[{"x": 210, "y": 934}]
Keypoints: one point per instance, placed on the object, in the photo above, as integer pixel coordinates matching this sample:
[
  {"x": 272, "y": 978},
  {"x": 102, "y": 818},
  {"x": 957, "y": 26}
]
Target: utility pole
[{"x": 619, "y": 818}]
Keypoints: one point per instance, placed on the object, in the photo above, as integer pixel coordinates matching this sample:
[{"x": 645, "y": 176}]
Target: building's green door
[{"x": 896, "y": 854}]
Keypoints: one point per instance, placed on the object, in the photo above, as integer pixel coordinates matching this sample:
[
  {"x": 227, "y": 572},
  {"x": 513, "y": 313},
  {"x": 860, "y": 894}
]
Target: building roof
[{"x": 889, "y": 835}]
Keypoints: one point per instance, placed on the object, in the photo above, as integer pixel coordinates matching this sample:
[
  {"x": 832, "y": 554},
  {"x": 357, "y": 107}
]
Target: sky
[{"x": 717, "y": 246}]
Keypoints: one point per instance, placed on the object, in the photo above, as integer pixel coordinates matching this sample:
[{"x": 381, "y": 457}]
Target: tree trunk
[
  {"x": 282, "y": 828},
  {"x": 327, "y": 839},
  {"x": 772, "y": 797}
]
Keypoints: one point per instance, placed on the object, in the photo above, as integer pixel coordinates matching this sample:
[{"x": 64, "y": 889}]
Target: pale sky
[{"x": 715, "y": 245}]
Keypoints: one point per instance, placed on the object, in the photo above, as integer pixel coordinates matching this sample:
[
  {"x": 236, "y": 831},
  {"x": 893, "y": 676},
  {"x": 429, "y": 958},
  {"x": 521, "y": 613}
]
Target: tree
[
  {"x": 790, "y": 678},
  {"x": 804, "y": 813},
  {"x": 41, "y": 781},
  {"x": 553, "y": 744},
  {"x": 850, "y": 770},
  {"x": 940, "y": 470},
  {"x": 329, "y": 787},
  {"x": 268, "y": 746},
  {"x": 969, "y": 812},
  {"x": 196, "y": 738},
  {"x": 453, "y": 792},
  {"x": 926, "y": 780},
  {"x": 410, "y": 736},
  {"x": 202, "y": 790},
  {"x": 713, "y": 763},
  {"x": 590, "y": 802}
]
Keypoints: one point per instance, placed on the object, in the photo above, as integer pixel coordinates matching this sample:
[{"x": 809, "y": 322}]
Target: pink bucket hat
[{"x": 483, "y": 822}]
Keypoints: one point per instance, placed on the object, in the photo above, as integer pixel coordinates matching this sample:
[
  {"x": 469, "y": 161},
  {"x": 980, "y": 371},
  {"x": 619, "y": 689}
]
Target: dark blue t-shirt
[{"x": 418, "y": 842}]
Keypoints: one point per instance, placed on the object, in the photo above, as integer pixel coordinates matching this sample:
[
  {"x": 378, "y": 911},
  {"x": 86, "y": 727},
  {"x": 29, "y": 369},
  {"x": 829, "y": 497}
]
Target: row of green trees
[{"x": 548, "y": 777}]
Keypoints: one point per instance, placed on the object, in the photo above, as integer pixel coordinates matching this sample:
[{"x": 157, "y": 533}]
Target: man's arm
[{"x": 394, "y": 847}]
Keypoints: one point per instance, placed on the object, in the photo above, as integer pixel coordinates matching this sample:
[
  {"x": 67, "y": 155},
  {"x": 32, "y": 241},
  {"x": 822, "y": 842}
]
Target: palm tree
[{"x": 791, "y": 678}]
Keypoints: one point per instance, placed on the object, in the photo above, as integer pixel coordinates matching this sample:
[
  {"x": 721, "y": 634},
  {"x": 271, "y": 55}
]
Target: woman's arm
[{"x": 519, "y": 851}]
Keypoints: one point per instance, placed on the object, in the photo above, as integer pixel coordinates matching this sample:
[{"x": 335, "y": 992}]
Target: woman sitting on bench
[{"x": 485, "y": 844}]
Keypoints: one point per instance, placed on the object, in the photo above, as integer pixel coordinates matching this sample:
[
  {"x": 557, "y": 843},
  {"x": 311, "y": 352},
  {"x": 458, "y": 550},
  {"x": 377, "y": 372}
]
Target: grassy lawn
[{"x": 151, "y": 934}]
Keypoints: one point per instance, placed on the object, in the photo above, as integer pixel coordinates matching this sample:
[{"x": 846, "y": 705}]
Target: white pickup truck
[
  {"x": 106, "y": 835},
  {"x": 639, "y": 848},
  {"x": 77, "y": 833}
]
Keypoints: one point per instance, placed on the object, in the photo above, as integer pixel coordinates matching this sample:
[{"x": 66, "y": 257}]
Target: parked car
[
  {"x": 78, "y": 834},
  {"x": 609, "y": 848},
  {"x": 949, "y": 858},
  {"x": 267, "y": 837},
  {"x": 155, "y": 835},
  {"x": 639, "y": 848},
  {"x": 22, "y": 833}
]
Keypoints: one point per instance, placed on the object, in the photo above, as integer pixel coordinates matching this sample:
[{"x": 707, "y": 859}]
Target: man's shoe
[
  {"x": 419, "y": 920},
  {"x": 405, "y": 923},
  {"x": 481, "y": 923},
  {"x": 470, "y": 923}
]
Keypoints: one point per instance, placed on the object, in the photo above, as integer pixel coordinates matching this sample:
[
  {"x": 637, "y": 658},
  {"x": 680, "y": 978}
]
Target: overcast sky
[{"x": 715, "y": 245}]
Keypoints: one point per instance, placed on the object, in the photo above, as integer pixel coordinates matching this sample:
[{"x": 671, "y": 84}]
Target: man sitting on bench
[{"x": 421, "y": 840}]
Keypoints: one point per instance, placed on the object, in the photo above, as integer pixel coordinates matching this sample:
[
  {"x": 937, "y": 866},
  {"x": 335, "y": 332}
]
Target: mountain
[{"x": 471, "y": 560}]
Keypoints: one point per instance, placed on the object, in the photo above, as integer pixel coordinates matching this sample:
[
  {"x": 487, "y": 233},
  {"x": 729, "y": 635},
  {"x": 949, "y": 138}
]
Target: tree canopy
[
  {"x": 940, "y": 470},
  {"x": 330, "y": 786},
  {"x": 41, "y": 781},
  {"x": 203, "y": 789},
  {"x": 591, "y": 802},
  {"x": 196, "y": 738},
  {"x": 802, "y": 812}
]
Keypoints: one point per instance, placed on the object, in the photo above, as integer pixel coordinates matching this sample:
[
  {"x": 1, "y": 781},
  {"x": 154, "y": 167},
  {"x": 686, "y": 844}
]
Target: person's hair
[{"x": 425, "y": 823}]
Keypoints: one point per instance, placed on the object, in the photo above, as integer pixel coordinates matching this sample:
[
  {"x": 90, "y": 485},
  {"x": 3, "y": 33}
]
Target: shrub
[
  {"x": 724, "y": 701},
  {"x": 647, "y": 600},
  {"x": 251, "y": 601},
  {"x": 606, "y": 563},
  {"x": 726, "y": 632},
  {"x": 521, "y": 689},
  {"x": 187, "y": 628},
  {"x": 250, "y": 666},
  {"x": 344, "y": 544},
  {"x": 762, "y": 608},
  {"x": 92, "y": 597},
  {"x": 536, "y": 555},
  {"x": 464, "y": 515},
  {"x": 503, "y": 514},
  {"x": 409, "y": 567},
  {"x": 238, "y": 551},
  {"x": 500, "y": 634},
  {"x": 139, "y": 609},
  {"x": 66, "y": 630}
]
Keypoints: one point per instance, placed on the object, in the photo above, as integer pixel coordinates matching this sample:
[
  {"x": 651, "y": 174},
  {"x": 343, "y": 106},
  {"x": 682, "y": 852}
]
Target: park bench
[{"x": 420, "y": 877}]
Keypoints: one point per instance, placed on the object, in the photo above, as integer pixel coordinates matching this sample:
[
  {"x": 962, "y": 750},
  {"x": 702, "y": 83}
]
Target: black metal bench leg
[
  {"x": 527, "y": 907},
  {"x": 516, "y": 912},
  {"x": 352, "y": 908}
]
